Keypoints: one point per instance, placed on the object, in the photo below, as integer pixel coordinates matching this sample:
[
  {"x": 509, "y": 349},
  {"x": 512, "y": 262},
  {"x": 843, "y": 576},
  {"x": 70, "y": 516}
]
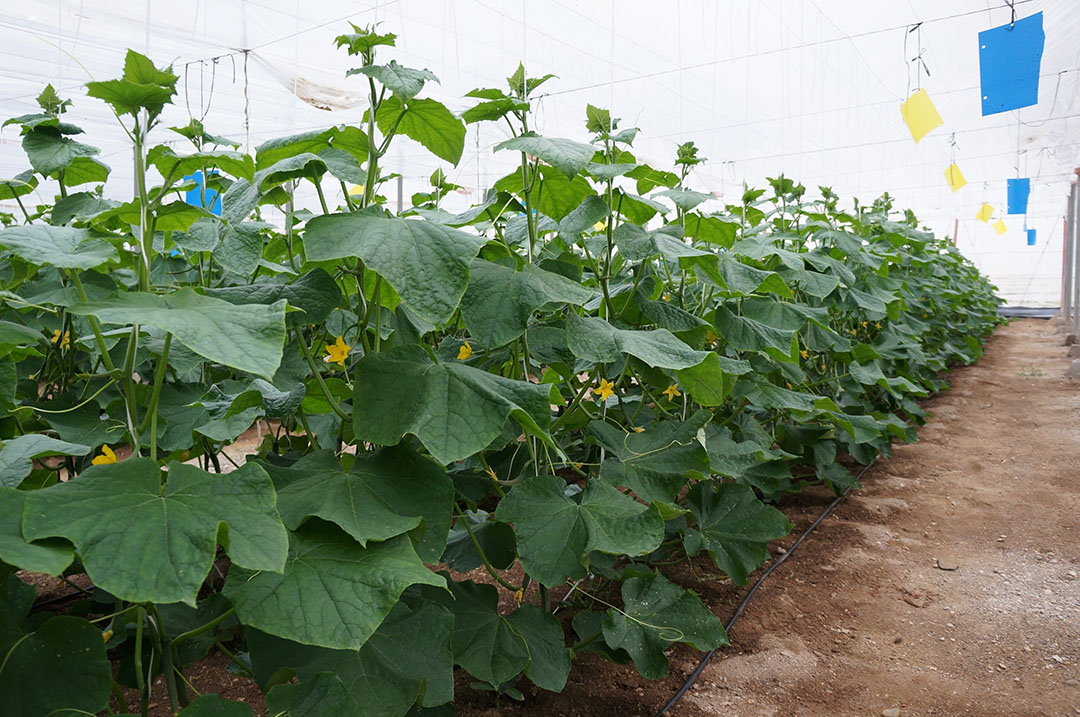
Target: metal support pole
[
  {"x": 1075, "y": 303},
  {"x": 1067, "y": 262}
]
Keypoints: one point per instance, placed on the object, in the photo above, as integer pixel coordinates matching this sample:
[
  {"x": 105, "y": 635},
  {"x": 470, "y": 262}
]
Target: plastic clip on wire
[{"x": 738, "y": 611}]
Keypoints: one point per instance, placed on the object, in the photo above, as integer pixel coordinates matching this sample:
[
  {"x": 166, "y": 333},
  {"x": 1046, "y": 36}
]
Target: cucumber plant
[{"x": 588, "y": 374}]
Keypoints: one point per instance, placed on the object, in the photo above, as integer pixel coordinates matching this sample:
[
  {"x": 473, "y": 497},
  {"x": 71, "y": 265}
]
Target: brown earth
[{"x": 948, "y": 586}]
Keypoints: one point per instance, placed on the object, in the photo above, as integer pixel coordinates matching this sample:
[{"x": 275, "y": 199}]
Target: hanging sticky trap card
[
  {"x": 1018, "y": 191},
  {"x": 920, "y": 115},
  {"x": 1031, "y": 237},
  {"x": 954, "y": 177},
  {"x": 985, "y": 212},
  {"x": 999, "y": 226},
  {"x": 1010, "y": 57}
]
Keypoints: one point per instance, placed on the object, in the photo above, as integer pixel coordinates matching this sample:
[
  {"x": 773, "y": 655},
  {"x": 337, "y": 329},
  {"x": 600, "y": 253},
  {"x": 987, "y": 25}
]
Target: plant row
[{"x": 588, "y": 375}]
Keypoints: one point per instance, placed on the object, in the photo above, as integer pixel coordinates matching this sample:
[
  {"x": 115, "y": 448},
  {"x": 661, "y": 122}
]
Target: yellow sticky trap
[
  {"x": 920, "y": 115},
  {"x": 985, "y": 212},
  {"x": 357, "y": 190},
  {"x": 954, "y": 177},
  {"x": 999, "y": 226}
]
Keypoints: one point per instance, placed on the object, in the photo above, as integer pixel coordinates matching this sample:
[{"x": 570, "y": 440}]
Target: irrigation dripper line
[{"x": 738, "y": 611}]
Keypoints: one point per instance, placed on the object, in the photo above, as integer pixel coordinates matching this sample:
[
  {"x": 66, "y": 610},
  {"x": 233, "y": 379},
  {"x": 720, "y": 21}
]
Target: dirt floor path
[{"x": 862, "y": 621}]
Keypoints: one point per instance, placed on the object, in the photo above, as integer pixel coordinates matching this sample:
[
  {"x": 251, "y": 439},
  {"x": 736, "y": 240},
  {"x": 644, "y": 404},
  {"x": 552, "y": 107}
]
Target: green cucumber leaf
[
  {"x": 248, "y": 337},
  {"x": 333, "y": 592},
  {"x": 594, "y": 339},
  {"x": 384, "y": 494},
  {"x": 500, "y": 300},
  {"x": 485, "y": 642},
  {"x": 565, "y": 155},
  {"x": 555, "y": 534},
  {"x": 427, "y": 122},
  {"x": 61, "y": 247},
  {"x": 657, "y": 462},
  {"x": 454, "y": 409},
  {"x": 50, "y": 557},
  {"x": 733, "y": 526},
  {"x": 17, "y": 455},
  {"x": 59, "y": 667},
  {"x": 426, "y": 263},
  {"x": 170, "y": 531},
  {"x": 404, "y": 82},
  {"x": 409, "y": 657},
  {"x": 549, "y": 658},
  {"x": 656, "y": 614}
]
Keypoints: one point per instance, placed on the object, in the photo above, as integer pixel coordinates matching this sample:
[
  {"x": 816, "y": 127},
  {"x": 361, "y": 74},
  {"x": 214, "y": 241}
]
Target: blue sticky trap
[
  {"x": 194, "y": 196},
  {"x": 1010, "y": 57},
  {"x": 1018, "y": 191},
  {"x": 1031, "y": 237}
]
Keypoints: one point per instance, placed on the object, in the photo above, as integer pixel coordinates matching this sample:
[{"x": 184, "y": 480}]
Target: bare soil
[{"x": 948, "y": 586}]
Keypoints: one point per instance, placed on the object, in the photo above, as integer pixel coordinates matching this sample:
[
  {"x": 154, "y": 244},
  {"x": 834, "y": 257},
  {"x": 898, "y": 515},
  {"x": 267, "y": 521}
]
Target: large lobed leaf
[
  {"x": 147, "y": 541},
  {"x": 407, "y": 659},
  {"x": 62, "y": 247},
  {"x": 594, "y": 339},
  {"x": 733, "y": 526},
  {"x": 656, "y": 614},
  {"x": 249, "y": 337},
  {"x": 384, "y": 494},
  {"x": 556, "y": 533},
  {"x": 333, "y": 592},
  {"x": 565, "y": 155},
  {"x": 426, "y": 263},
  {"x": 499, "y": 301},
  {"x": 454, "y": 409}
]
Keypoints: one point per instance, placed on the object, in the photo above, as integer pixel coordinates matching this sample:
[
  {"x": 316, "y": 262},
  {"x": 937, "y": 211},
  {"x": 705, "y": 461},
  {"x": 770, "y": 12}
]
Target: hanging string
[
  {"x": 247, "y": 113},
  {"x": 918, "y": 61},
  {"x": 205, "y": 101},
  {"x": 952, "y": 148}
]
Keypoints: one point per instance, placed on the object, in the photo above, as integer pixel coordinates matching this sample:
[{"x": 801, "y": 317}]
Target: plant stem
[
  {"x": 307, "y": 429},
  {"x": 484, "y": 557},
  {"x": 318, "y": 375},
  {"x": 177, "y": 694},
  {"x": 322, "y": 198},
  {"x": 94, "y": 325},
  {"x": 574, "y": 649},
  {"x": 140, "y": 679},
  {"x": 129, "y": 389},
  {"x": 152, "y": 412},
  {"x": 376, "y": 298}
]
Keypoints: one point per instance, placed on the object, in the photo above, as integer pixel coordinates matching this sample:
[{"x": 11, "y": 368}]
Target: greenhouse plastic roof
[{"x": 810, "y": 89}]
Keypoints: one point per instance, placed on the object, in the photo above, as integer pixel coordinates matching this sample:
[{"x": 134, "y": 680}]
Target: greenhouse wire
[{"x": 742, "y": 605}]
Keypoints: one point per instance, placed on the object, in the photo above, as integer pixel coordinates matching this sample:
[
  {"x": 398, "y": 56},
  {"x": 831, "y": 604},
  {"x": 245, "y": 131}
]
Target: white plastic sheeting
[{"x": 811, "y": 89}]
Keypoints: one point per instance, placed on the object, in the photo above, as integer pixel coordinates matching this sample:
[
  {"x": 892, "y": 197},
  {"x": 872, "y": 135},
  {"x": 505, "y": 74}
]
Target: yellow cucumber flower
[
  {"x": 337, "y": 352},
  {"x": 107, "y": 456},
  {"x": 64, "y": 341},
  {"x": 465, "y": 351},
  {"x": 606, "y": 390},
  {"x": 672, "y": 391}
]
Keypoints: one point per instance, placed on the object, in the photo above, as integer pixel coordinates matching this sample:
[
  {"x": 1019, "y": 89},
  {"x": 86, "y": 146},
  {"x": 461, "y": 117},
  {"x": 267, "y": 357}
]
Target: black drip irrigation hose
[{"x": 738, "y": 611}]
